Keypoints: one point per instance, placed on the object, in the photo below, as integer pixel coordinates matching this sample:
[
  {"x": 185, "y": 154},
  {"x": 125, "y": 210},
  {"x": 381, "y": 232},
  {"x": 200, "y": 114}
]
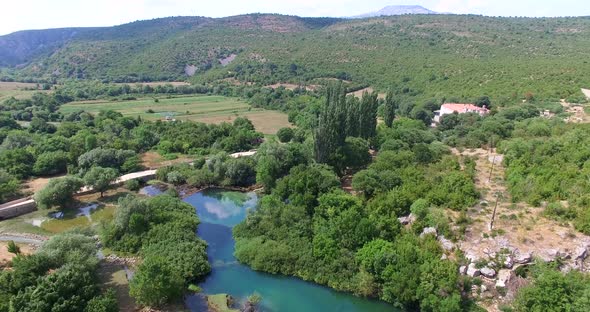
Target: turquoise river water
[{"x": 220, "y": 211}]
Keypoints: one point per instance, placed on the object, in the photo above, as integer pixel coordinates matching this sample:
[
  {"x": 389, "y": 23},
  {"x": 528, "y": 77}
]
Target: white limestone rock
[
  {"x": 446, "y": 244},
  {"x": 488, "y": 272},
  {"x": 472, "y": 270},
  {"x": 504, "y": 277},
  {"x": 428, "y": 231}
]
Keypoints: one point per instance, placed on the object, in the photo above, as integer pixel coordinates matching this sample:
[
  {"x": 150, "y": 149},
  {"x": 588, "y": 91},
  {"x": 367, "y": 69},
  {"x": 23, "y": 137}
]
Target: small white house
[{"x": 451, "y": 108}]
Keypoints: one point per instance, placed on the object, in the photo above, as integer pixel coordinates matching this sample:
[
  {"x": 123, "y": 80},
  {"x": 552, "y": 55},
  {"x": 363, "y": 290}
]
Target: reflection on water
[
  {"x": 86, "y": 211},
  {"x": 219, "y": 212},
  {"x": 151, "y": 190}
]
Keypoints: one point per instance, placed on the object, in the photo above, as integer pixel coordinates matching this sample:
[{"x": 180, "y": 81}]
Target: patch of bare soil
[
  {"x": 34, "y": 185},
  {"x": 6, "y": 257},
  {"x": 578, "y": 115},
  {"x": 291, "y": 86},
  {"x": 153, "y": 160},
  {"x": 515, "y": 225},
  {"x": 359, "y": 93}
]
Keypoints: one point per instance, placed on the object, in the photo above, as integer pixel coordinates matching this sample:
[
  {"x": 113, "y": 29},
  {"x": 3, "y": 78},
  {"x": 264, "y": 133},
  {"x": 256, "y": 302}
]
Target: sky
[{"x": 40, "y": 14}]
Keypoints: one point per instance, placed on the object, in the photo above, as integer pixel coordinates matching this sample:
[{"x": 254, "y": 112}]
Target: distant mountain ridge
[
  {"x": 423, "y": 55},
  {"x": 398, "y": 10}
]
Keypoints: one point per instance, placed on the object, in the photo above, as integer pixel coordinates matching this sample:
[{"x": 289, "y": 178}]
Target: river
[{"x": 219, "y": 212}]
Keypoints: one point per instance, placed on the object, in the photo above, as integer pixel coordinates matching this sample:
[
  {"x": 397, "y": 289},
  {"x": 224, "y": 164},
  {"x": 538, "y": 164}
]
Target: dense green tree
[
  {"x": 104, "y": 303},
  {"x": 100, "y": 179},
  {"x": 389, "y": 108},
  {"x": 368, "y": 116},
  {"x": 285, "y": 134},
  {"x": 51, "y": 163},
  {"x": 58, "y": 192},
  {"x": 155, "y": 283},
  {"x": 329, "y": 135},
  {"x": 9, "y": 186},
  {"x": 552, "y": 290}
]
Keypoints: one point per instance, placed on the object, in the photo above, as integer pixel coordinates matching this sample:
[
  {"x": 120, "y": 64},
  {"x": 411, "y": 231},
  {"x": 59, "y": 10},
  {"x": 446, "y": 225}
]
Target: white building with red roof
[{"x": 452, "y": 108}]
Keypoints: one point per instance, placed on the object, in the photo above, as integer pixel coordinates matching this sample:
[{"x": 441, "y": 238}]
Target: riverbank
[{"x": 187, "y": 190}]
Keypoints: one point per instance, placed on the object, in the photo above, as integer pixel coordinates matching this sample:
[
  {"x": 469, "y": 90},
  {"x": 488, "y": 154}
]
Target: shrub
[{"x": 285, "y": 135}]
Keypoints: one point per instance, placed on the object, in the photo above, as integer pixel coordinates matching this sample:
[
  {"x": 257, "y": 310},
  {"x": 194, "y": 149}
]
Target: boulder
[
  {"x": 580, "y": 253},
  {"x": 463, "y": 270},
  {"x": 488, "y": 272},
  {"x": 444, "y": 257},
  {"x": 508, "y": 262},
  {"x": 472, "y": 270},
  {"x": 446, "y": 244},
  {"x": 523, "y": 258},
  {"x": 428, "y": 231},
  {"x": 504, "y": 277},
  {"x": 407, "y": 220}
]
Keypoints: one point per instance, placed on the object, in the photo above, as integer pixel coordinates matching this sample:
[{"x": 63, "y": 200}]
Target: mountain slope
[
  {"x": 397, "y": 10},
  {"x": 425, "y": 56}
]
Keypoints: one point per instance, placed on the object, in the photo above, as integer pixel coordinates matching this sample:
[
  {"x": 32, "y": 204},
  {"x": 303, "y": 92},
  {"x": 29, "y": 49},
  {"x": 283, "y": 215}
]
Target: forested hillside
[{"x": 424, "y": 56}]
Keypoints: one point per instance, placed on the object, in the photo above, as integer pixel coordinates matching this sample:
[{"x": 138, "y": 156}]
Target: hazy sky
[{"x": 40, "y": 14}]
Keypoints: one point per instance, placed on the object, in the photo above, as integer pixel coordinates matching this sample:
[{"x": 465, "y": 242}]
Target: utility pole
[{"x": 498, "y": 195}]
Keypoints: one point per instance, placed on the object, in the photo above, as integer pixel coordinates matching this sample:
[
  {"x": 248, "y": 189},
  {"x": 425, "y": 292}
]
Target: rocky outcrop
[
  {"x": 523, "y": 257},
  {"x": 411, "y": 218},
  {"x": 508, "y": 262},
  {"x": 428, "y": 231},
  {"x": 472, "y": 270},
  {"x": 504, "y": 277},
  {"x": 488, "y": 272},
  {"x": 446, "y": 244}
]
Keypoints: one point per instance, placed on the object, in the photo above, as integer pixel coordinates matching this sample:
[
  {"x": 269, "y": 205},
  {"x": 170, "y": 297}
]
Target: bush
[
  {"x": 285, "y": 135},
  {"x": 58, "y": 192},
  {"x": 133, "y": 185}
]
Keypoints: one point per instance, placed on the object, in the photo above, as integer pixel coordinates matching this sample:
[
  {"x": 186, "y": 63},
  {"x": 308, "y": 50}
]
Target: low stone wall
[{"x": 17, "y": 208}]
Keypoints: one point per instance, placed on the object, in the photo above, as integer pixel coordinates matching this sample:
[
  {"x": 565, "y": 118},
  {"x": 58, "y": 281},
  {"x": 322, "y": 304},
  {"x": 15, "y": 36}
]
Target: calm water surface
[{"x": 221, "y": 210}]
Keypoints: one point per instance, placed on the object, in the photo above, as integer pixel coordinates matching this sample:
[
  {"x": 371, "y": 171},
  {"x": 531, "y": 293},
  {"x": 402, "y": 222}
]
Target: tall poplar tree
[
  {"x": 368, "y": 116},
  {"x": 391, "y": 105},
  {"x": 330, "y": 134}
]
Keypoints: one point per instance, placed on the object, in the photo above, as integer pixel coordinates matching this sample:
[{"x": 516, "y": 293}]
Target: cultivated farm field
[{"x": 203, "y": 108}]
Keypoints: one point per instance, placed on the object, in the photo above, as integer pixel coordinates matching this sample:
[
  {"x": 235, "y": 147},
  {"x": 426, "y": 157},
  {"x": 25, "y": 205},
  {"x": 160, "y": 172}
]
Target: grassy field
[
  {"x": 17, "y": 90},
  {"x": 209, "y": 109}
]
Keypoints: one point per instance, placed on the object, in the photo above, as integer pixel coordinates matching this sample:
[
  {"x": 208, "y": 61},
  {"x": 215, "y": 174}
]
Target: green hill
[{"x": 452, "y": 56}]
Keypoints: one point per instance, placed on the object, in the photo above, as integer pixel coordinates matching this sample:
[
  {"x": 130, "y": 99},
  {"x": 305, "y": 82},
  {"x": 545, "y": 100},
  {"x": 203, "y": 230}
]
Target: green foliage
[
  {"x": 107, "y": 158},
  {"x": 13, "y": 248},
  {"x": 161, "y": 228},
  {"x": 104, "y": 303},
  {"x": 133, "y": 185},
  {"x": 389, "y": 108},
  {"x": 100, "y": 179},
  {"x": 71, "y": 285},
  {"x": 9, "y": 186},
  {"x": 550, "y": 166},
  {"x": 274, "y": 161},
  {"x": 58, "y": 192},
  {"x": 552, "y": 290},
  {"x": 51, "y": 163},
  {"x": 285, "y": 134},
  {"x": 156, "y": 283},
  {"x": 386, "y": 52}
]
